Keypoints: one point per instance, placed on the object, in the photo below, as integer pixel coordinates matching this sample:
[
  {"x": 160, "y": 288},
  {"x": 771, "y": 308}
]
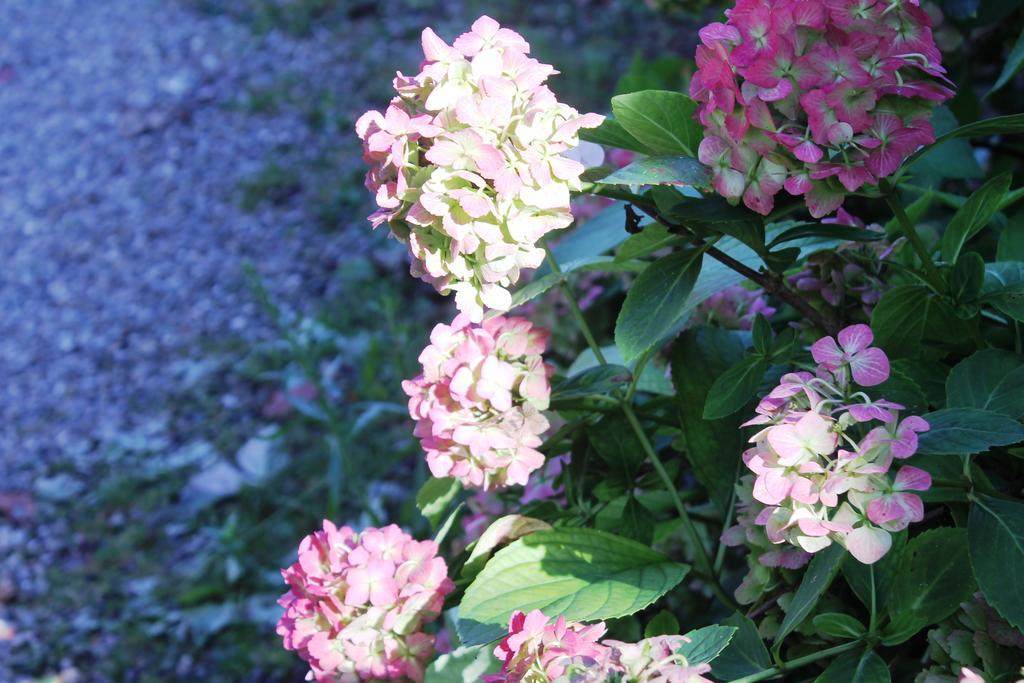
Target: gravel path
[{"x": 126, "y": 127}]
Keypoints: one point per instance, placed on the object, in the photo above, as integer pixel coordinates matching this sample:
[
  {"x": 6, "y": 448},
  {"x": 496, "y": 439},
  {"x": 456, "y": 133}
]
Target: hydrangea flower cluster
[
  {"x": 734, "y": 308},
  {"x": 537, "y": 650},
  {"x": 821, "y": 461},
  {"x": 487, "y": 506},
  {"x": 466, "y": 163},
  {"x": 852, "y": 273},
  {"x": 358, "y": 603},
  {"x": 819, "y": 97},
  {"x": 478, "y": 403}
]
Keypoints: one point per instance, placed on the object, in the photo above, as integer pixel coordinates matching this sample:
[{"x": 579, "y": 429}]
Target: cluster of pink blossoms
[
  {"x": 466, "y": 163},
  {"x": 821, "y": 462},
  {"x": 734, "y": 308},
  {"x": 537, "y": 650},
  {"x": 358, "y": 603},
  {"x": 478, "y": 403},
  {"x": 819, "y": 97}
]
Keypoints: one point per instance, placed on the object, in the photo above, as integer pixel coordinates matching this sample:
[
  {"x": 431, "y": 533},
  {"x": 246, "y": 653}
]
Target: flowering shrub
[
  {"x": 467, "y": 164},
  {"x": 358, "y": 603},
  {"x": 791, "y": 449},
  {"x": 478, "y": 402},
  {"x": 817, "y": 97}
]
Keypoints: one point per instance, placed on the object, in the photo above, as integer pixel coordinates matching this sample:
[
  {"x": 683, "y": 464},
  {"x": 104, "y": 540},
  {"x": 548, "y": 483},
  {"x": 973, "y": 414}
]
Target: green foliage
[
  {"x": 582, "y": 574},
  {"x": 996, "y": 536},
  {"x": 661, "y": 120},
  {"x": 964, "y": 431}
]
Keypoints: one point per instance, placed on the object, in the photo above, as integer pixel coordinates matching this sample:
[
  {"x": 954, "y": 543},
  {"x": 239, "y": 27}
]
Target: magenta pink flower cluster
[
  {"x": 821, "y": 462},
  {"x": 819, "y": 97},
  {"x": 478, "y": 403},
  {"x": 358, "y": 603},
  {"x": 537, "y": 650},
  {"x": 466, "y": 163}
]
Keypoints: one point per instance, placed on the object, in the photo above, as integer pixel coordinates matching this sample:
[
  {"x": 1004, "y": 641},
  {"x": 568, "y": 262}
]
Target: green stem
[
  {"x": 703, "y": 559},
  {"x": 798, "y": 662},
  {"x": 574, "y": 306},
  {"x": 934, "y": 276},
  {"x": 726, "y": 522}
]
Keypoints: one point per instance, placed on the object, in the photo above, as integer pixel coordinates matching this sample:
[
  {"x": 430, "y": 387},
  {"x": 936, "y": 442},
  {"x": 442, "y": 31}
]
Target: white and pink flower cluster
[
  {"x": 537, "y": 650},
  {"x": 819, "y": 97},
  {"x": 358, "y": 603},
  {"x": 822, "y": 461},
  {"x": 466, "y": 163},
  {"x": 478, "y": 403}
]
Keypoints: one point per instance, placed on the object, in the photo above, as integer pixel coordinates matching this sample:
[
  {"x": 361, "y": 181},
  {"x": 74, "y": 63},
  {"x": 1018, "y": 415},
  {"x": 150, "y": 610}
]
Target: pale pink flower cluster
[
  {"x": 358, "y": 603},
  {"x": 537, "y": 650},
  {"x": 821, "y": 461},
  {"x": 478, "y": 403},
  {"x": 467, "y": 167},
  {"x": 734, "y": 308},
  {"x": 819, "y": 97}
]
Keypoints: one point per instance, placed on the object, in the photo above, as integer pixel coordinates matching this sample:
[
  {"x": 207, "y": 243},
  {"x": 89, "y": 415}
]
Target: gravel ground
[{"x": 122, "y": 147}]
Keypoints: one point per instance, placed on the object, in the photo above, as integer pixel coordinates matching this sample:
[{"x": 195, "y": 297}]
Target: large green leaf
[
  {"x": 599, "y": 380},
  {"x": 649, "y": 240},
  {"x": 931, "y": 582},
  {"x": 735, "y": 387},
  {"x": 1014, "y": 63},
  {"x": 502, "y": 531},
  {"x": 899, "y": 319},
  {"x": 856, "y": 667},
  {"x": 581, "y": 574},
  {"x": 963, "y": 431},
  {"x": 973, "y": 215},
  {"x": 660, "y": 119},
  {"x": 838, "y": 625},
  {"x": 464, "y": 665},
  {"x": 661, "y": 170},
  {"x": 745, "y": 654},
  {"x": 616, "y": 444},
  {"x": 947, "y": 158},
  {"x": 713, "y": 447},
  {"x": 706, "y": 643},
  {"x": 995, "y": 531},
  {"x": 818, "y": 577},
  {"x": 612, "y": 134},
  {"x": 1004, "y": 287},
  {"x": 593, "y": 237},
  {"x": 991, "y": 379},
  {"x": 656, "y": 302},
  {"x": 997, "y": 125},
  {"x": 1011, "y": 239},
  {"x": 434, "y": 497}
]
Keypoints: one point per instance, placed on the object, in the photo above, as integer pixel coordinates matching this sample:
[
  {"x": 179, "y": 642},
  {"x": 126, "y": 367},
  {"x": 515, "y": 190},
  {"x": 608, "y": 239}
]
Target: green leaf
[
  {"x": 899, "y": 319},
  {"x": 616, "y": 444},
  {"x": 501, "y": 531},
  {"x": 660, "y": 119},
  {"x": 706, "y": 643},
  {"x": 745, "y": 654},
  {"x": 991, "y": 379},
  {"x": 434, "y": 497},
  {"x": 463, "y": 665},
  {"x": 656, "y": 302},
  {"x": 612, "y": 134},
  {"x": 818, "y": 577},
  {"x": 714, "y": 215},
  {"x": 661, "y": 170},
  {"x": 581, "y": 574},
  {"x": 600, "y": 380},
  {"x": 858, "y": 576},
  {"x": 838, "y": 625},
  {"x": 1011, "y": 239},
  {"x": 713, "y": 447},
  {"x": 649, "y": 240},
  {"x": 947, "y": 158},
  {"x": 664, "y": 623},
  {"x": 931, "y": 582},
  {"x": 637, "y": 522},
  {"x": 963, "y": 431},
  {"x": 847, "y": 233},
  {"x": 997, "y": 125},
  {"x": 973, "y": 216},
  {"x": 965, "y": 282},
  {"x": 995, "y": 531},
  {"x": 735, "y": 387},
  {"x": 1004, "y": 287},
  {"x": 856, "y": 667},
  {"x": 1014, "y": 63},
  {"x": 594, "y": 236}
]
